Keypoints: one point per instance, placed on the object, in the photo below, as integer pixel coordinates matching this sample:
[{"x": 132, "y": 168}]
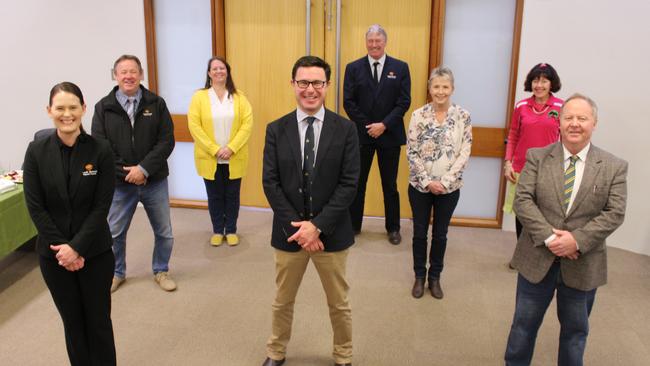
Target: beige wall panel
[
  {"x": 408, "y": 28},
  {"x": 263, "y": 40}
]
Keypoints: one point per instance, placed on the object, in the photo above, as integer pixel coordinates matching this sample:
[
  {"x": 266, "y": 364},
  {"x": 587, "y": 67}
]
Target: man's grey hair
[
  {"x": 376, "y": 28},
  {"x": 441, "y": 71},
  {"x": 592, "y": 104}
]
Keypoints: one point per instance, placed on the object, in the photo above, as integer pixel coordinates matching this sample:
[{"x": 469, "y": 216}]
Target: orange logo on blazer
[
  {"x": 89, "y": 170},
  {"x": 147, "y": 113}
]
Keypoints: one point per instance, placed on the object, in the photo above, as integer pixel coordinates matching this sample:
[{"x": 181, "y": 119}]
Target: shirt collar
[
  {"x": 122, "y": 98},
  {"x": 551, "y": 99},
  {"x": 381, "y": 60},
  {"x": 320, "y": 115},
  {"x": 582, "y": 155}
]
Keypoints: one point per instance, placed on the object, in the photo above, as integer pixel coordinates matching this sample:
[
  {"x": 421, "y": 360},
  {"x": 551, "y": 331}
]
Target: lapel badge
[
  {"x": 89, "y": 169},
  {"x": 391, "y": 75},
  {"x": 147, "y": 113}
]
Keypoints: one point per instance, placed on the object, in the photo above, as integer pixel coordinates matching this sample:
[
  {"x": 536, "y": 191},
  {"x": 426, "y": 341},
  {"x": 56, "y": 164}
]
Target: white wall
[
  {"x": 45, "y": 42},
  {"x": 601, "y": 48}
]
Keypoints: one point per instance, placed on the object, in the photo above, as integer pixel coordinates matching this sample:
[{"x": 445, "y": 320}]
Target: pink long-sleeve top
[{"x": 532, "y": 127}]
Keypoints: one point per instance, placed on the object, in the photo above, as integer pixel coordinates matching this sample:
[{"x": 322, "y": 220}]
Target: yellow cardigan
[{"x": 199, "y": 120}]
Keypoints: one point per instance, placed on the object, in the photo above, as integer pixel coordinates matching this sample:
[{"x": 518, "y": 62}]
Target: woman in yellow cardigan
[{"x": 220, "y": 119}]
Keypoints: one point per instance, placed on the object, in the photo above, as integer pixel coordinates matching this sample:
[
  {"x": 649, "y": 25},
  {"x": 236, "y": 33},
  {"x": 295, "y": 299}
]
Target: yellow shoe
[
  {"x": 232, "y": 239},
  {"x": 216, "y": 240}
]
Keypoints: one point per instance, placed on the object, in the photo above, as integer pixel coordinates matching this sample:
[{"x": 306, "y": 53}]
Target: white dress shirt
[
  {"x": 302, "y": 129},
  {"x": 380, "y": 67}
]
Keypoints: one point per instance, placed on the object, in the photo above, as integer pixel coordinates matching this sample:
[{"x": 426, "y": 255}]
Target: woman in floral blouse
[{"x": 438, "y": 147}]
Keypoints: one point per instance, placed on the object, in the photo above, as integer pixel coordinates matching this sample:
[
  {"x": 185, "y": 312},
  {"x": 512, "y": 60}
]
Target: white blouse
[{"x": 223, "y": 114}]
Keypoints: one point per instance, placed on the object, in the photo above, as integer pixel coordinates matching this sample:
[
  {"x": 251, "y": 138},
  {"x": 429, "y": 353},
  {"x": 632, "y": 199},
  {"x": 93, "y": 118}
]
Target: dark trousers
[
  {"x": 443, "y": 208},
  {"x": 519, "y": 227},
  {"x": 223, "y": 200},
  {"x": 83, "y": 299},
  {"x": 388, "y": 159},
  {"x": 573, "y": 309}
]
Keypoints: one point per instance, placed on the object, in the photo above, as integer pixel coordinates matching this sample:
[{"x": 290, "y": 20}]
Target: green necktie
[{"x": 569, "y": 178}]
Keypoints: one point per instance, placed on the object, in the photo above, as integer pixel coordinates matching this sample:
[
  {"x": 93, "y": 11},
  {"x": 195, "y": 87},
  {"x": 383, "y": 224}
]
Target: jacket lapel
[
  {"x": 56, "y": 169},
  {"x": 293, "y": 138},
  {"x": 555, "y": 167},
  {"x": 592, "y": 166},
  {"x": 326, "y": 136}
]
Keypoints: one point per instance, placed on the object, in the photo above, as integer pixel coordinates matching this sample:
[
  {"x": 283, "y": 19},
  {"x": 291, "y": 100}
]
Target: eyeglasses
[{"x": 304, "y": 84}]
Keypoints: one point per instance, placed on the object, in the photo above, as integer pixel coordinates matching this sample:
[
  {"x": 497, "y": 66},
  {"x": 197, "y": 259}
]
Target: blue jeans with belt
[
  {"x": 155, "y": 199},
  {"x": 573, "y": 309}
]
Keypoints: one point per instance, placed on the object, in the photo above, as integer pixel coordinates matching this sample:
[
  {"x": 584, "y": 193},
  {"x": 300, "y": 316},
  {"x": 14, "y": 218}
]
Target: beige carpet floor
[{"x": 221, "y": 313}]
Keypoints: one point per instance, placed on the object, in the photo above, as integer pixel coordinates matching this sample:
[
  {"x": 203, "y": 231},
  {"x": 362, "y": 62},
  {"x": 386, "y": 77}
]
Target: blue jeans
[
  {"x": 573, "y": 309},
  {"x": 223, "y": 200},
  {"x": 155, "y": 199},
  {"x": 443, "y": 207}
]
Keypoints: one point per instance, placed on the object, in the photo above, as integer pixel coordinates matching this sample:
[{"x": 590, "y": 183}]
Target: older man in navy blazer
[
  {"x": 376, "y": 94},
  {"x": 570, "y": 197}
]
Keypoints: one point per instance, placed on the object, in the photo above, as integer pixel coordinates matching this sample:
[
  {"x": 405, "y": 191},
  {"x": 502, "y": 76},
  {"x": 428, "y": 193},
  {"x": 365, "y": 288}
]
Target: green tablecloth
[{"x": 16, "y": 226}]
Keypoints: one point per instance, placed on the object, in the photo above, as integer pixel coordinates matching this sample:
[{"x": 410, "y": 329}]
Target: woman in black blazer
[{"x": 69, "y": 180}]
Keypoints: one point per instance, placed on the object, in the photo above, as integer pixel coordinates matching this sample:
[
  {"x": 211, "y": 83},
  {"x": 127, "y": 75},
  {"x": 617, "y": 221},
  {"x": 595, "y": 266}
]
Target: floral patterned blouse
[{"x": 438, "y": 151}]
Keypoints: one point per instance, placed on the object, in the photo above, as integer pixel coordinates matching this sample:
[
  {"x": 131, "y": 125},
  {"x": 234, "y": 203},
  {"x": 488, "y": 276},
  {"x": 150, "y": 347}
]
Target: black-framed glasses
[{"x": 304, "y": 84}]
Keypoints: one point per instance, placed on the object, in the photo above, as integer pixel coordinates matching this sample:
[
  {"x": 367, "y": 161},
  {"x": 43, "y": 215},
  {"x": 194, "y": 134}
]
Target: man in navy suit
[
  {"x": 311, "y": 169},
  {"x": 376, "y": 94}
]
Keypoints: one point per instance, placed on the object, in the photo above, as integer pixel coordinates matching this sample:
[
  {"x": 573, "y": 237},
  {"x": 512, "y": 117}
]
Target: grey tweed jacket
[{"x": 598, "y": 209}]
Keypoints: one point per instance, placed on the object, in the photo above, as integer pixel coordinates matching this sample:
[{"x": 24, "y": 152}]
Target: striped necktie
[
  {"x": 569, "y": 178},
  {"x": 308, "y": 166},
  {"x": 130, "y": 109}
]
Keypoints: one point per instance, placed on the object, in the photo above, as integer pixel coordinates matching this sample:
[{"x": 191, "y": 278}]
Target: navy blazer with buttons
[
  {"x": 367, "y": 102},
  {"x": 73, "y": 213},
  {"x": 336, "y": 174}
]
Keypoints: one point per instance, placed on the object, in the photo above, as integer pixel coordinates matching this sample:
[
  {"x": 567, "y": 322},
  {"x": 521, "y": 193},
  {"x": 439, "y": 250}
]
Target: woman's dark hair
[
  {"x": 230, "y": 84},
  {"x": 71, "y": 88},
  {"x": 545, "y": 70},
  {"x": 67, "y": 87}
]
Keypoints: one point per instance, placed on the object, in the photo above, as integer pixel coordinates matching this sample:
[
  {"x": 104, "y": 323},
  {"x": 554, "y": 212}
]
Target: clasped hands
[
  {"x": 564, "y": 245},
  {"x": 376, "y": 129},
  {"x": 135, "y": 175},
  {"x": 307, "y": 236},
  {"x": 224, "y": 153},
  {"x": 436, "y": 187},
  {"x": 68, "y": 257}
]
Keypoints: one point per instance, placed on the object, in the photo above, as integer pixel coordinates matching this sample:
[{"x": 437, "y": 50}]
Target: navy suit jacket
[
  {"x": 366, "y": 102},
  {"x": 336, "y": 174},
  {"x": 75, "y": 213}
]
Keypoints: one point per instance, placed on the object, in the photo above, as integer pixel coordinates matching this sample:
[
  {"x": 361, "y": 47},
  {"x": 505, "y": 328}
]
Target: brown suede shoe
[
  {"x": 434, "y": 287},
  {"x": 418, "y": 288}
]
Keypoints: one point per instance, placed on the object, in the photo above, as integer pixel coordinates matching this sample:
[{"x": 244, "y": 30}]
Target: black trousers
[
  {"x": 83, "y": 299},
  {"x": 443, "y": 208},
  {"x": 223, "y": 200},
  {"x": 388, "y": 159}
]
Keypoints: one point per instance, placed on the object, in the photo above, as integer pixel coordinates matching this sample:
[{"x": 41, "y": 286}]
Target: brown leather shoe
[
  {"x": 394, "y": 237},
  {"x": 434, "y": 287},
  {"x": 418, "y": 288},
  {"x": 272, "y": 362},
  {"x": 343, "y": 364}
]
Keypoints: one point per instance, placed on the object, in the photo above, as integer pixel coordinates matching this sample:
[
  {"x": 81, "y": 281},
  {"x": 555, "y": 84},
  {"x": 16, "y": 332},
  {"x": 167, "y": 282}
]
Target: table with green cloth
[{"x": 16, "y": 226}]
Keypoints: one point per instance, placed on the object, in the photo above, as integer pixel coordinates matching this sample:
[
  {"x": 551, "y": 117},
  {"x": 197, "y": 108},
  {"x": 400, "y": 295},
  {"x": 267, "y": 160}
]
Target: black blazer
[
  {"x": 366, "y": 102},
  {"x": 334, "y": 187},
  {"x": 76, "y": 216}
]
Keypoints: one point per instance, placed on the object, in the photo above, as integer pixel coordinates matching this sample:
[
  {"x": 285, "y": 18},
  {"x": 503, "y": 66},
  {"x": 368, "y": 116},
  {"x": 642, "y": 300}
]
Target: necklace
[{"x": 546, "y": 107}]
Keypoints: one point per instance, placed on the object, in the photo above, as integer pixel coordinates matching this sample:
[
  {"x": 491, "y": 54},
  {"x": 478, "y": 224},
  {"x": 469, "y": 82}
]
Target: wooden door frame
[{"x": 492, "y": 139}]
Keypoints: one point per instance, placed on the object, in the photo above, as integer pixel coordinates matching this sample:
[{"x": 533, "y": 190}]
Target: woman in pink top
[{"x": 535, "y": 123}]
